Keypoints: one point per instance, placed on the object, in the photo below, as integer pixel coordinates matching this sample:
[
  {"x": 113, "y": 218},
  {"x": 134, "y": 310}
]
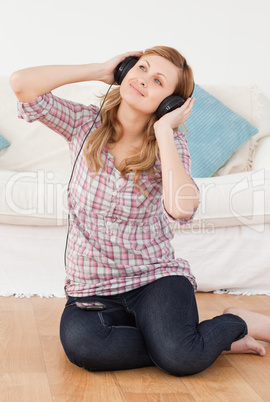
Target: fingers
[
  {"x": 188, "y": 103},
  {"x": 123, "y": 56},
  {"x": 187, "y": 107},
  {"x": 119, "y": 58},
  {"x": 180, "y": 115},
  {"x": 137, "y": 53}
]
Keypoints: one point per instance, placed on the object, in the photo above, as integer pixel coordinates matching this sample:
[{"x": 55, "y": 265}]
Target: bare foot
[
  {"x": 246, "y": 345},
  {"x": 258, "y": 324}
]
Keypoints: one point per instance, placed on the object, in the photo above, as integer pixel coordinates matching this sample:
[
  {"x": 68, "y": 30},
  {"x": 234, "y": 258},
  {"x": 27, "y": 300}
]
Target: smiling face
[{"x": 151, "y": 80}]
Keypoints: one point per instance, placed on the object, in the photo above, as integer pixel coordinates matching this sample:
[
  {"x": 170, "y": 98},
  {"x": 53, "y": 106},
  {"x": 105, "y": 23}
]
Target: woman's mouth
[{"x": 136, "y": 90}]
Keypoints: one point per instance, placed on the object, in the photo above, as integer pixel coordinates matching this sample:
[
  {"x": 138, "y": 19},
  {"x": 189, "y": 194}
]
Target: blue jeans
[{"x": 156, "y": 324}]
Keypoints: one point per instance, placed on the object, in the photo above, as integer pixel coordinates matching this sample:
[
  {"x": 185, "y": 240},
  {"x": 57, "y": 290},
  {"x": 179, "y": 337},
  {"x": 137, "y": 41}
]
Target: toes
[
  {"x": 228, "y": 310},
  {"x": 254, "y": 346}
]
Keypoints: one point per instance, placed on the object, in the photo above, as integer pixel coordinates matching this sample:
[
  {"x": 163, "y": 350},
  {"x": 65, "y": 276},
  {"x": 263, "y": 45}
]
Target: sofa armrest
[{"x": 232, "y": 200}]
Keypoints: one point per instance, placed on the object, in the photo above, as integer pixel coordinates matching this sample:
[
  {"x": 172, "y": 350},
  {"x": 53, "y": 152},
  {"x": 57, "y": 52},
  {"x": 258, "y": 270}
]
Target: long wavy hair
[{"x": 111, "y": 130}]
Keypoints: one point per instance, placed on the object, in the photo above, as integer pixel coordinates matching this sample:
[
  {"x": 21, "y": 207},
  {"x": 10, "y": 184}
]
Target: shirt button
[
  {"x": 113, "y": 204},
  {"x": 114, "y": 193},
  {"x": 108, "y": 223}
]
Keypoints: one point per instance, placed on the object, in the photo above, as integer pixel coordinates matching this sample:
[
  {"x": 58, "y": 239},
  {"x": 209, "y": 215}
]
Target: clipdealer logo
[
  {"x": 252, "y": 212},
  {"x": 44, "y": 195}
]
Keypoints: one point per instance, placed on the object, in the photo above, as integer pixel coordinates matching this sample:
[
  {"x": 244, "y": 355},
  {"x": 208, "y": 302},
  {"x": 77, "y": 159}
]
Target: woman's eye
[
  {"x": 143, "y": 68},
  {"x": 157, "y": 81}
]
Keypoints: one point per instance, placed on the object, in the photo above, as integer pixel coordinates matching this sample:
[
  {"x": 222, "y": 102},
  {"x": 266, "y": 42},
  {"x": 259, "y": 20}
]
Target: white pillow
[{"x": 262, "y": 155}]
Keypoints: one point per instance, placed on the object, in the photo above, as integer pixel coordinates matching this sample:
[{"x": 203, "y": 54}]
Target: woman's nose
[{"x": 142, "y": 82}]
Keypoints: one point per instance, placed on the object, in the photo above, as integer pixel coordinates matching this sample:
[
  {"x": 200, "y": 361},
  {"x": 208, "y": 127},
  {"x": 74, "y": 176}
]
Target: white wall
[{"x": 225, "y": 41}]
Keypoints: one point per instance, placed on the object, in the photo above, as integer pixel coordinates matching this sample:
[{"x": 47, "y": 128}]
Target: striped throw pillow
[
  {"x": 3, "y": 142},
  {"x": 215, "y": 132}
]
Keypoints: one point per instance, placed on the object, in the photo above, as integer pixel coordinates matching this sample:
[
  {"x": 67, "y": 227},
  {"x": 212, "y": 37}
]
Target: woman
[{"x": 130, "y": 301}]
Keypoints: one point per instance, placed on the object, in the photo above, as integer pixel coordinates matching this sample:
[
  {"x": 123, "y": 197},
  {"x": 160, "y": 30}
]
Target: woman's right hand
[{"x": 109, "y": 66}]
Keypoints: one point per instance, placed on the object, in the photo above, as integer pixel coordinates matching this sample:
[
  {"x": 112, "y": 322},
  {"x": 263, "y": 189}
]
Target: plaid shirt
[{"x": 118, "y": 238}]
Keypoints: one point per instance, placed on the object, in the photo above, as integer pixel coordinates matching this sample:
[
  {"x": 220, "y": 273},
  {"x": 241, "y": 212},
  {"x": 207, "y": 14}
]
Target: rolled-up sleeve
[
  {"x": 183, "y": 151},
  {"x": 62, "y": 116}
]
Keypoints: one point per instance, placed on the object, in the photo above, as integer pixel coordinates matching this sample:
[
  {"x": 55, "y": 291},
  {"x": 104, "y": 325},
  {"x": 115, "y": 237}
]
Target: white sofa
[{"x": 227, "y": 245}]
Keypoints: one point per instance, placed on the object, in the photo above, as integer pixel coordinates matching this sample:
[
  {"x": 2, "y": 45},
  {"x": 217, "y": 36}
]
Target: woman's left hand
[{"x": 176, "y": 117}]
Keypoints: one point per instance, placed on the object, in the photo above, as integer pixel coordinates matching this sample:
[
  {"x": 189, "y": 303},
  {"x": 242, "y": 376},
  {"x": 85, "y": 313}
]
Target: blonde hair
[{"x": 111, "y": 129}]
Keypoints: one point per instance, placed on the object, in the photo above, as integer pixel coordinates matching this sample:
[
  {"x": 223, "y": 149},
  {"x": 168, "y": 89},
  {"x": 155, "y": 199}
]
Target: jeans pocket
[{"x": 117, "y": 318}]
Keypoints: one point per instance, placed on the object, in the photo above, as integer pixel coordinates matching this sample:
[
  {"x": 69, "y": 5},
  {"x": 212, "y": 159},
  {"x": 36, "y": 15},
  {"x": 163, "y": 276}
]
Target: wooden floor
[{"x": 33, "y": 366}]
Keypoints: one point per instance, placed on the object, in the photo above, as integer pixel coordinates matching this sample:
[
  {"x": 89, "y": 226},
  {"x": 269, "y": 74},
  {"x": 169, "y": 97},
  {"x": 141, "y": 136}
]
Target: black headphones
[{"x": 167, "y": 105}]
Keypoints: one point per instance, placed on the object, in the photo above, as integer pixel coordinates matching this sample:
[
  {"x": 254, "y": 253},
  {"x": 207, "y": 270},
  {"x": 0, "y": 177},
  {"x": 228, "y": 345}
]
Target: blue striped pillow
[
  {"x": 3, "y": 142},
  {"x": 215, "y": 132}
]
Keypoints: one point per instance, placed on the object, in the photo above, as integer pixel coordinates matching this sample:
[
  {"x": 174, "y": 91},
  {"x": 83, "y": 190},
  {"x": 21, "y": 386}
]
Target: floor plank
[
  {"x": 48, "y": 313},
  {"x": 24, "y": 387},
  {"x": 20, "y": 347},
  {"x": 220, "y": 382},
  {"x": 71, "y": 383},
  {"x": 151, "y": 382},
  {"x": 255, "y": 370}
]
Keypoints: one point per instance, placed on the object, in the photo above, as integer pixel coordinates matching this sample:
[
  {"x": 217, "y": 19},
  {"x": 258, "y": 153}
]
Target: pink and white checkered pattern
[{"x": 118, "y": 238}]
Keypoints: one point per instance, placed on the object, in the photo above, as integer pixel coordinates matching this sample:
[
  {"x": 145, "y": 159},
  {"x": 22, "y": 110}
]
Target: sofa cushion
[
  {"x": 33, "y": 198},
  {"x": 215, "y": 133},
  {"x": 232, "y": 200}
]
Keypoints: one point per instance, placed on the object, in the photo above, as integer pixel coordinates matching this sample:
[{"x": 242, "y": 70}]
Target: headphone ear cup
[
  {"x": 169, "y": 104},
  {"x": 123, "y": 68}
]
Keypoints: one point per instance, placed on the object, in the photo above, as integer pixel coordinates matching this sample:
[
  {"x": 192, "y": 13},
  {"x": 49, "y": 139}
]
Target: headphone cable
[{"x": 74, "y": 165}]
